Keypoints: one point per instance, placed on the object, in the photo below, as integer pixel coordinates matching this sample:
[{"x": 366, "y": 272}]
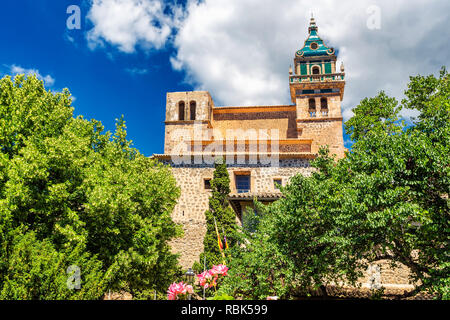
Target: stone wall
[
  {"x": 323, "y": 132},
  {"x": 193, "y": 202},
  {"x": 203, "y": 100},
  {"x": 381, "y": 274},
  {"x": 298, "y": 132},
  {"x": 281, "y": 118},
  {"x": 322, "y": 129}
]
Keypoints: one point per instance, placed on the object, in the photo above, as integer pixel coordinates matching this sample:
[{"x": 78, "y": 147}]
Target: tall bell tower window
[
  {"x": 181, "y": 110},
  {"x": 192, "y": 109},
  {"x": 324, "y": 106},
  {"x": 312, "y": 107}
]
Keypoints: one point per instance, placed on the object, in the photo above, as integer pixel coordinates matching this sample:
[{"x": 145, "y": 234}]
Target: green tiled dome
[{"x": 314, "y": 45}]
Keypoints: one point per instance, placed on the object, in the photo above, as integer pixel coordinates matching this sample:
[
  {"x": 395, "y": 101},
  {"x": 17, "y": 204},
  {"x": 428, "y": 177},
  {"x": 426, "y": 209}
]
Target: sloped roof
[{"x": 310, "y": 51}]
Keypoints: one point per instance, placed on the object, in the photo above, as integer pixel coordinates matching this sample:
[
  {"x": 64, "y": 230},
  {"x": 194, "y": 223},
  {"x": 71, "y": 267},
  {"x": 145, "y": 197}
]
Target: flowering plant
[
  {"x": 219, "y": 270},
  {"x": 206, "y": 279},
  {"x": 179, "y": 291},
  {"x": 210, "y": 277}
]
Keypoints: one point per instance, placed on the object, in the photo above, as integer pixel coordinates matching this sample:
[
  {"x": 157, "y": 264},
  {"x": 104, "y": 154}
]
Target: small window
[
  {"x": 193, "y": 107},
  {"x": 243, "y": 183},
  {"x": 314, "y": 46},
  {"x": 181, "y": 110},
  {"x": 316, "y": 70},
  {"x": 323, "y": 103},
  {"x": 207, "y": 184},
  {"x": 277, "y": 183},
  {"x": 312, "y": 107}
]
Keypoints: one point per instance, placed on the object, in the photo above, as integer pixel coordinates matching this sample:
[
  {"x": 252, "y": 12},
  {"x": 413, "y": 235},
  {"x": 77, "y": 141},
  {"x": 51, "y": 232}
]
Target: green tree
[
  {"x": 372, "y": 115},
  {"x": 388, "y": 198},
  {"x": 72, "y": 194},
  {"x": 258, "y": 268},
  {"x": 221, "y": 212}
]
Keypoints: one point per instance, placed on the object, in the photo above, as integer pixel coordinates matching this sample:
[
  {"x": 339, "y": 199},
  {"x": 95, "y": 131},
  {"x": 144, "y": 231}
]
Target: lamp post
[{"x": 189, "y": 279}]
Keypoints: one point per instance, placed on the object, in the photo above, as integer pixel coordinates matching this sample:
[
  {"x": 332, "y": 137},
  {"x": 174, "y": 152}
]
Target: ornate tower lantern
[{"x": 317, "y": 87}]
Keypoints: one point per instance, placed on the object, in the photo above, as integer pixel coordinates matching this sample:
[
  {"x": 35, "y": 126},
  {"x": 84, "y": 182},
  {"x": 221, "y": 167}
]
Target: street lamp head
[{"x": 189, "y": 275}]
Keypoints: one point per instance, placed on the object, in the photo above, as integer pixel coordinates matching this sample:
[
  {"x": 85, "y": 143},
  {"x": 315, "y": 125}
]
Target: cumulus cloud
[
  {"x": 127, "y": 24},
  {"x": 240, "y": 50},
  {"x": 15, "y": 69}
]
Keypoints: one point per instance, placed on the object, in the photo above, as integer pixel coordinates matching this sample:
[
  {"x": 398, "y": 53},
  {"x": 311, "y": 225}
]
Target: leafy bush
[
  {"x": 387, "y": 199},
  {"x": 71, "y": 194}
]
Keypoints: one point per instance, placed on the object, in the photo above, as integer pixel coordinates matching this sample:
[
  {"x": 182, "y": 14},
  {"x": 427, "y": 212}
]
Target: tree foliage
[
  {"x": 388, "y": 198},
  {"x": 221, "y": 212},
  {"x": 258, "y": 268},
  {"x": 72, "y": 194}
]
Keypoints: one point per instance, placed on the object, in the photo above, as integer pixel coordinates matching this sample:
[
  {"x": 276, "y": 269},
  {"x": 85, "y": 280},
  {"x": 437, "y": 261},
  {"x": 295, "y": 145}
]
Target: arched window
[
  {"x": 324, "y": 106},
  {"x": 312, "y": 107},
  {"x": 181, "y": 110},
  {"x": 192, "y": 108},
  {"x": 316, "y": 70}
]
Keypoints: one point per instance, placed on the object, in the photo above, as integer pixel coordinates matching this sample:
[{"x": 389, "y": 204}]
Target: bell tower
[{"x": 317, "y": 90}]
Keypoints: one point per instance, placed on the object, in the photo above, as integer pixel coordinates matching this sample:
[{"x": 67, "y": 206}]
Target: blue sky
[
  {"x": 36, "y": 38},
  {"x": 118, "y": 63}
]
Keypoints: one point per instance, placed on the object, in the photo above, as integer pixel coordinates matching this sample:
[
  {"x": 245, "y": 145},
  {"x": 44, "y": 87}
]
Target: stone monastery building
[{"x": 264, "y": 146}]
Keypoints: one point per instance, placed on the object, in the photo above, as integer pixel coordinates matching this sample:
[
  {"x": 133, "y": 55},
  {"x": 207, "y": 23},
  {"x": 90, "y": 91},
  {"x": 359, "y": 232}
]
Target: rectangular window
[
  {"x": 242, "y": 183},
  {"x": 277, "y": 183},
  {"x": 328, "y": 67},
  {"x": 207, "y": 184},
  {"x": 303, "y": 69}
]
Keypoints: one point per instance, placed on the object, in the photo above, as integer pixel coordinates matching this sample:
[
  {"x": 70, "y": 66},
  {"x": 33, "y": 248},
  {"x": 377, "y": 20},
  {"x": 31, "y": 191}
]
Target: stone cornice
[
  {"x": 287, "y": 155},
  {"x": 246, "y": 109},
  {"x": 320, "y": 119},
  {"x": 183, "y": 122}
]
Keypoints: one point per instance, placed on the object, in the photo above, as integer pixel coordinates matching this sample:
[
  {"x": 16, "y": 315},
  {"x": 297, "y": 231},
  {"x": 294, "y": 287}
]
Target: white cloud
[
  {"x": 48, "y": 80},
  {"x": 240, "y": 50},
  {"x": 128, "y": 24}
]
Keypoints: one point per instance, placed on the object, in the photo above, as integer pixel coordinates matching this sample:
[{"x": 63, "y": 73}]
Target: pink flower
[
  {"x": 219, "y": 270},
  {"x": 209, "y": 278},
  {"x": 272, "y": 298},
  {"x": 171, "y": 296},
  {"x": 179, "y": 289},
  {"x": 204, "y": 278},
  {"x": 189, "y": 289}
]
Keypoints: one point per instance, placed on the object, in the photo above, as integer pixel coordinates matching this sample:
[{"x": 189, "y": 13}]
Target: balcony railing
[{"x": 317, "y": 77}]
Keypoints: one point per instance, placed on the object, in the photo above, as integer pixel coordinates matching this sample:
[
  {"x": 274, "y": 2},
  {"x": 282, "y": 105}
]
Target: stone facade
[
  {"x": 265, "y": 144},
  {"x": 193, "y": 202}
]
